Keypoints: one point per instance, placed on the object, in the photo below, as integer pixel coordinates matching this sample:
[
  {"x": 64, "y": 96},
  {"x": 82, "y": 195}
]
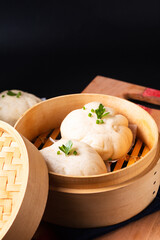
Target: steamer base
[{"x": 87, "y": 208}]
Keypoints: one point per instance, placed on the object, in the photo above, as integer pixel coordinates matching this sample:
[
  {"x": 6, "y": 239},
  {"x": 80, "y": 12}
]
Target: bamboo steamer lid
[{"x": 23, "y": 185}]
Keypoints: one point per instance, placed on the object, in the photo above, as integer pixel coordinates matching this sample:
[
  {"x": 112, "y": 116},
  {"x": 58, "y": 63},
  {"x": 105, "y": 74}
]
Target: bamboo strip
[
  {"x": 2, "y": 223},
  {"x": 1, "y": 132},
  {"x": 1, "y": 210},
  {"x": 120, "y": 162},
  {"x": 134, "y": 155},
  {"x": 3, "y": 182},
  {"x": 1, "y": 144},
  {"x": 7, "y": 141},
  {"x": 41, "y": 139},
  {"x": 11, "y": 175},
  {"x": 1, "y": 162},
  {"x": 145, "y": 151},
  {"x": 53, "y": 135}
]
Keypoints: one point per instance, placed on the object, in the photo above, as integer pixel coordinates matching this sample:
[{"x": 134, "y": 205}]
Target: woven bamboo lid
[{"x": 23, "y": 185}]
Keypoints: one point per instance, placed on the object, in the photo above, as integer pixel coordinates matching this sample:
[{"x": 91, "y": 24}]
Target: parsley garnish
[
  {"x": 67, "y": 148},
  {"x": 100, "y": 111},
  {"x": 18, "y": 94},
  {"x": 75, "y": 152},
  {"x": 89, "y": 114},
  {"x": 11, "y": 93},
  {"x": 99, "y": 121}
]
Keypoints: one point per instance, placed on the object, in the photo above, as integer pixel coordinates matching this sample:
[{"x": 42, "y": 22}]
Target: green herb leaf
[
  {"x": 100, "y": 111},
  {"x": 75, "y": 152},
  {"x": 97, "y": 121},
  {"x": 105, "y": 114},
  {"x": 66, "y": 148},
  {"x": 11, "y": 93},
  {"x": 18, "y": 94}
]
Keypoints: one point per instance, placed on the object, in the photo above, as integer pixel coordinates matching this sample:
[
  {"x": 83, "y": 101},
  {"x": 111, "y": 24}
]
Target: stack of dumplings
[{"x": 91, "y": 136}]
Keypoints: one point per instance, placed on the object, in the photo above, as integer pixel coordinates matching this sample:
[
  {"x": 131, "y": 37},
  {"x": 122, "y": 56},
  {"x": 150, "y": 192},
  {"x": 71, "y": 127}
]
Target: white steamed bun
[
  {"x": 14, "y": 103},
  {"x": 86, "y": 162},
  {"x": 111, "y": 138}
]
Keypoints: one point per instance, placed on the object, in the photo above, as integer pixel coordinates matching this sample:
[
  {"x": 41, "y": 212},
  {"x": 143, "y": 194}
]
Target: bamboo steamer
[
  {"x": 23, "y": 185},
  {"x": 104, "y": 199}
]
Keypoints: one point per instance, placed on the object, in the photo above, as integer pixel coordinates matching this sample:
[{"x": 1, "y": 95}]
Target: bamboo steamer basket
[
  {"x": 99, "y": 200},
  {"x": 23, "y": 185}
]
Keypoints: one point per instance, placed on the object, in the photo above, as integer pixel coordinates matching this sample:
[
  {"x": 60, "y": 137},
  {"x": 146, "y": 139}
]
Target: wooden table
[{"x": 147, "y": 228}]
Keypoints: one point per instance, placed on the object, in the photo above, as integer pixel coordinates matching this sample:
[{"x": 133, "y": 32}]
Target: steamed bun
[
  {"x": 110, "y": 136},
  {"x": 86, "y": 162},
  {"x": 14, "y": 103}
]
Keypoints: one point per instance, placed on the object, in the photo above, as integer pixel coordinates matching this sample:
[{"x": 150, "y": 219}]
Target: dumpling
[
  {"x": 14, "y": 103},
  {"x": 82, "y": 159},
  {"x": 100, "y": 127}
]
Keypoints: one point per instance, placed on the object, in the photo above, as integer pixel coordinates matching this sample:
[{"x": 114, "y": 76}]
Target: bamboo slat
[
  {"x": 45, "y": 140},
  {"x": 134, "y": 155}
]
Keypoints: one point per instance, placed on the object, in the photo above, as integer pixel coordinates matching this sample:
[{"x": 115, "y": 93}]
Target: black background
[{"x": 53, "y": 47}]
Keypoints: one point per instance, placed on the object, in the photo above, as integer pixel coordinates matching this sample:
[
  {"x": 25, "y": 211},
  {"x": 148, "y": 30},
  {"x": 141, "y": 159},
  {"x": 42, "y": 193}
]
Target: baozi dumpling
[
  {"x": 14, "y": 103},
  {"x": 101, "y": 127},
  {"x": 82, "y": 160}
]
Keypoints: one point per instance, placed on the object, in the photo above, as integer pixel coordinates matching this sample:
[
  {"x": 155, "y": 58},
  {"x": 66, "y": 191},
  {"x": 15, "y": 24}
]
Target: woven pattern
[{"x": 10, "y": 175}]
